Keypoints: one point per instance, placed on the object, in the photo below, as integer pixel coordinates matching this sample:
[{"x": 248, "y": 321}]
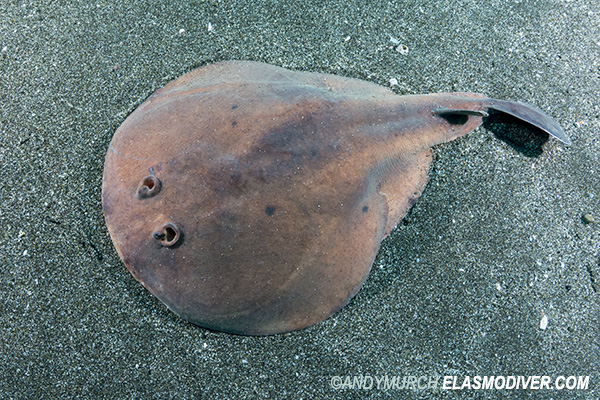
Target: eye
[
  {"x": 148, "y": 187},
  {"x": 167, "y": 235}
]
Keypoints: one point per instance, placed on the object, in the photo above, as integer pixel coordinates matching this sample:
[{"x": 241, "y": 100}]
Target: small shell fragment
[{"x": 402, "y": 49}]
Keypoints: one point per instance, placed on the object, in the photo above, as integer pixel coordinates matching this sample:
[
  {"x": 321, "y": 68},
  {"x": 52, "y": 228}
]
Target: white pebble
[
  {"x": 393, "y": 82},
  {"x": 544, "y": 323}
]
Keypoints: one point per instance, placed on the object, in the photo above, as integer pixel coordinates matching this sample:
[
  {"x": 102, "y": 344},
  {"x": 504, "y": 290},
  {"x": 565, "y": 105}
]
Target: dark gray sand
[{"x": 496, "y": 242}]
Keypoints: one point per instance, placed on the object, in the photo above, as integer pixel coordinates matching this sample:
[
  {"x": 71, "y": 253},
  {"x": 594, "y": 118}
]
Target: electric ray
[{"x": 252, "y": 199}]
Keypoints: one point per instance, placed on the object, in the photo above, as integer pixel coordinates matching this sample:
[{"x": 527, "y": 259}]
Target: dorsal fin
[{"x": 459, "y": 111}]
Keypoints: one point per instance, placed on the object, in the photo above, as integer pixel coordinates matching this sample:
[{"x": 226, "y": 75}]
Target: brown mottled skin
[{"x": 282, "y": 185}]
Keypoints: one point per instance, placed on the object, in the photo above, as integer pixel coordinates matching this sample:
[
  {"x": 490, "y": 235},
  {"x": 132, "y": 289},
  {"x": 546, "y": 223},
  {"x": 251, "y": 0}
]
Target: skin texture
[{"x": 252, "y": 199}]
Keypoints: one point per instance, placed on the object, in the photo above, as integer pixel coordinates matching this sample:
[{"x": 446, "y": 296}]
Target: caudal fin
[{"x": 530, "y": 114}]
